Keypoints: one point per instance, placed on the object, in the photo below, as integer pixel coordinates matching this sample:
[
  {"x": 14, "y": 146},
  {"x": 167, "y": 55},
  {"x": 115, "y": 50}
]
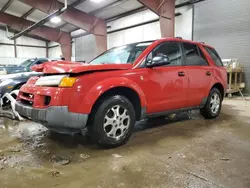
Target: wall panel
[{"x": 227, "y": 29}]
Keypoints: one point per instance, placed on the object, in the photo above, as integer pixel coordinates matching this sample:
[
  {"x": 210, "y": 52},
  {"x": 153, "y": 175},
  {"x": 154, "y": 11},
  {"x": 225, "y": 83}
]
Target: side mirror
[{"x": 158, "y": 61}]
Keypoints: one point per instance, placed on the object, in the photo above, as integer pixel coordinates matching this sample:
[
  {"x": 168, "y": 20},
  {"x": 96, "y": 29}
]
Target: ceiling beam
[
  {"x": 84, "y": 21},
  {"x": 45, "y": 32},
  {"x": 77, "y": 3},
  {"x": 25, "y": 15},
  {"x": 110, "y": 5},
  {"x": 19, "y": 24},
  {"x": 166, "y": 12},
  {"x": 27, "y": 35},
  {"x": 61, "y": 26},
  {"x": 127, "y": 14},
  {"x": 38, "y": 24},
  {"x": 73, "y": 5},
  {"x": 7, "y": 5}
]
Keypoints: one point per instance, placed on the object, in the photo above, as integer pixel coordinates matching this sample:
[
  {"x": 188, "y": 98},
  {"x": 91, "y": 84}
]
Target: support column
[
  {"x": 101, "y": 43},
  {"x": 65, "y": 43},
  {"x": 66, "y": 51},
  {"x": 166, "y": 11},
  {"x": 47, "y": 49},
  {"x": 167, "y": 18}
]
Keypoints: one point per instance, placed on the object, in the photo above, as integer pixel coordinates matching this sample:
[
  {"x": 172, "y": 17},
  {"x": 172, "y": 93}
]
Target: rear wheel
[
  {"x": 112, "y": 122},
  {"x": 212, "y": 107}
]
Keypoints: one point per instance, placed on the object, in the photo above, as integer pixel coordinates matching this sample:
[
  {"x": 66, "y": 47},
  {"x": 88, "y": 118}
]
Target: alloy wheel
[
  {"x": 116, "y": 122},
  {"x": 215, "y": 103}
]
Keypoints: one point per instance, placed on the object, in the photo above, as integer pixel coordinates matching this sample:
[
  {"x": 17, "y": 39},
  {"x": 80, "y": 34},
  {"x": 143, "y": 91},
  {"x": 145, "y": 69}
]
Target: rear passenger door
[{"x": 199, "y": 74}]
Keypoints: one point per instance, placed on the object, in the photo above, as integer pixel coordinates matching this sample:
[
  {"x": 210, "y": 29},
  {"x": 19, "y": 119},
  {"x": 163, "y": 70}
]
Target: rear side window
[
  {"x": 215, "y": 56},
  {"x": 193, "y": 55}
]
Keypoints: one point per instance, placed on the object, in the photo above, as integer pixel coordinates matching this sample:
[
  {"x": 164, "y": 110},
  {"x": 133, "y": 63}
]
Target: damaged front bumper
[{"x": 54, "y": 117}]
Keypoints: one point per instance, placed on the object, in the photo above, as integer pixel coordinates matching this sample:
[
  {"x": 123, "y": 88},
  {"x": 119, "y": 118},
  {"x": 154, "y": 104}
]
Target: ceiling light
[
  {"x": 97, "y": 1},
  {"x": 55, "y": 20}
]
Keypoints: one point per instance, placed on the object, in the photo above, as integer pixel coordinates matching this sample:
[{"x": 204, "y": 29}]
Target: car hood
[{"x": 73, "y": 67}]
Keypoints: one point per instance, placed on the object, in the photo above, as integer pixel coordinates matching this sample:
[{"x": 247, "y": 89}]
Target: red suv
[{"x": 124, "y": 85}]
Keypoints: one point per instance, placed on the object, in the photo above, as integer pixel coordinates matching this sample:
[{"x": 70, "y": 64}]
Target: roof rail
[
  {"x": 178, "y": 37},
  {"x": 202, "y": 42}
]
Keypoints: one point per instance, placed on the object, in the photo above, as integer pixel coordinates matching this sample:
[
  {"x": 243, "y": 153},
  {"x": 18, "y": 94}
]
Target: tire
[
  {"x": 212, "y": 108},
  {"x": 112, "y": 122}
]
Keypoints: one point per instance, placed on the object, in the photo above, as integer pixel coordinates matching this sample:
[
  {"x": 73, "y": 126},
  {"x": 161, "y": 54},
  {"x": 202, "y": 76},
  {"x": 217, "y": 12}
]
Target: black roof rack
[{"x": 178, "y": 37}]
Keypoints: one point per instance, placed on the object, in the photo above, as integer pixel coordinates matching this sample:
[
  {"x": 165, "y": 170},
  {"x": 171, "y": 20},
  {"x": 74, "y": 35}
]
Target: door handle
[
  {"x": 181, "y": 73},
  {"x": 208, "y": 73}
]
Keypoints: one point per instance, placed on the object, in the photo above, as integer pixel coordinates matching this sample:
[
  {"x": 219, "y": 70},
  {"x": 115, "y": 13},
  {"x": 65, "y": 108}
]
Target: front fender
[{"x": 101, "y": 87}]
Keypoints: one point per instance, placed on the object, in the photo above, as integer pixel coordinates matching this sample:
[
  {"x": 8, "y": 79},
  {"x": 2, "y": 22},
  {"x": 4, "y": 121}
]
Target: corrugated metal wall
[{"x": 225, "y": 24}]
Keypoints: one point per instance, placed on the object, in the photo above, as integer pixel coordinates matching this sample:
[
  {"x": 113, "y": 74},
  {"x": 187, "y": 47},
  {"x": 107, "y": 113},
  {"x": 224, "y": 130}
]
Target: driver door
[{"x": 167, "y": 85}]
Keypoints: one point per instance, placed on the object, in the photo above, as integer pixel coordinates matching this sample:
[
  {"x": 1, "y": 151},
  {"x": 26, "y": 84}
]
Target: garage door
[{"x": 225, "y": 24}]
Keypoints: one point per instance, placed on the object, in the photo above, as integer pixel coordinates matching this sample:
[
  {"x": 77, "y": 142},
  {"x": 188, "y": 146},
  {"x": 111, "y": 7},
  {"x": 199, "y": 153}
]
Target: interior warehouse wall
[
  {"x": 227, "y": 29},
  {"x": 86, "y": 48},
  {"x": 54, "y": 50},
  {"x": 7, "y": 50},
  {"x": 151, "y": 31}
]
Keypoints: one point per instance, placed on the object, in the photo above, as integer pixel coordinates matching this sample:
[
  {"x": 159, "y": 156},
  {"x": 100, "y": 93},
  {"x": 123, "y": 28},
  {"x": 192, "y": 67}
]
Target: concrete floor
[{"x": 187, "y": 151}]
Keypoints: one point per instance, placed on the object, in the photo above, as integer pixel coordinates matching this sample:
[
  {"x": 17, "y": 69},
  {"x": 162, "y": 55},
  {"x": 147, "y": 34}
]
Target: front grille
[
  {"x": 26, "y": 98},
  {"x": 28, "y": 103},
  {"x": 28, "y": 95}
]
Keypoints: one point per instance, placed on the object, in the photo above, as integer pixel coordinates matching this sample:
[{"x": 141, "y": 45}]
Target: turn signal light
[{"x": 67, "y": 82}]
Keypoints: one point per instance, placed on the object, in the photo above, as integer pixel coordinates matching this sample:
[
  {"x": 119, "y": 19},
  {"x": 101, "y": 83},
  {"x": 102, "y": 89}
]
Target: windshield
[
  {"x": 121, "y": 55},
  {"x": 27, "y": 62}
]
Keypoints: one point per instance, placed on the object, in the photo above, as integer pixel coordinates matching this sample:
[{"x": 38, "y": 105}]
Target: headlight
[
  {"x": 5, "y": 82},
  {"x": 56, "y": 80}
]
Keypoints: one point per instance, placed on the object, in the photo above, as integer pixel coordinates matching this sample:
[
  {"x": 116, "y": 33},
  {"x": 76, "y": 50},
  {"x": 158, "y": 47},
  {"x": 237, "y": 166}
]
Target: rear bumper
[{"x": 53, "y": 117}]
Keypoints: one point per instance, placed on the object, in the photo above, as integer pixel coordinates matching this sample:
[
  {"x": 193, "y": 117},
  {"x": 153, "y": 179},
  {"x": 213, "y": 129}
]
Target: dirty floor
[{"x": 186, "y": 151}]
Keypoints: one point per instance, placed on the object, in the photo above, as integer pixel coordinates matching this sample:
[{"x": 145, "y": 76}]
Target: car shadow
[{"x": 147, "y": 133}]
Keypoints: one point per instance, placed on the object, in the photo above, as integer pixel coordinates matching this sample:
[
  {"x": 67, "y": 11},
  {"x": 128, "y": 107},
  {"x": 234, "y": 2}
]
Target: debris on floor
[
  {"x": 14, "y": 149},
  {"x": 54, "y": 173},
  {"x": 84, "y": 156},
  {"x": 59, "y": 160},
  {"x": 224, "y": 159},
  {"x": 7, "y": 106},
  {"x": 116, "y": 155}
]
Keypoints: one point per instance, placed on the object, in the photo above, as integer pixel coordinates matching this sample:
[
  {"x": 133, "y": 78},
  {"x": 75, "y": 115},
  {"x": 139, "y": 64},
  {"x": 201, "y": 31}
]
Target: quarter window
[
  {"x": 171, "y": 50},
  {"x": 193, "y": 55},
  {"x": 215, "y": 56}
]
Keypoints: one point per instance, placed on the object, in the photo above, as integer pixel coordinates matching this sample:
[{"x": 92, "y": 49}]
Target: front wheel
[
  {"x": 212, "y": 108},
  {"x": 112, "y": 122}
]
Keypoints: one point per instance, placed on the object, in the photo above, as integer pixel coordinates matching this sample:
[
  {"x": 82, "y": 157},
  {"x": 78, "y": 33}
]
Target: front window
[
  {"x": 121, "y": 55},
  {"x": 27, "y": 63}
]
